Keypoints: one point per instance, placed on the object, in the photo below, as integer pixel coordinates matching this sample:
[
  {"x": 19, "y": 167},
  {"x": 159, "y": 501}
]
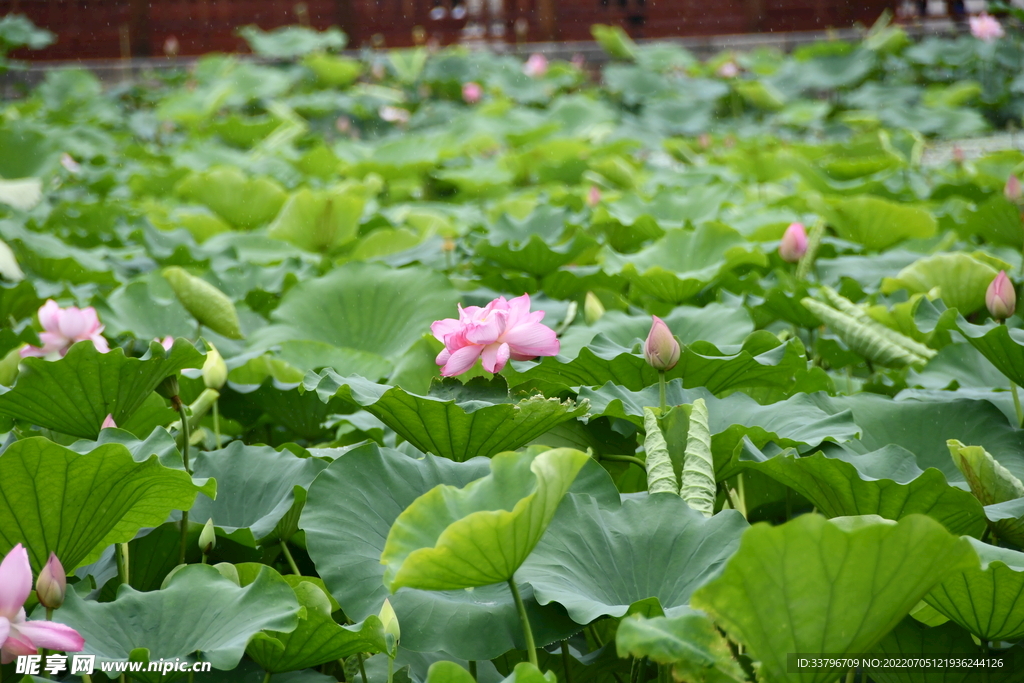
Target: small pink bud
[
  {"x": 593, "y": 196},
  {"x": 958, "y": 155},
  {"x": 661, "y": 350},
  {"x": 166, "y": 342},
  {"x": 794, "y": 243},
  {"x": 472, "y": 92},
  {"x": 1013, "y": 190},
  {"x": 51, "y": 586},
  {"x": 108, "y": 422},
  {"x": 1001, "y": 298},
  {"x": 536, "y": 66}
]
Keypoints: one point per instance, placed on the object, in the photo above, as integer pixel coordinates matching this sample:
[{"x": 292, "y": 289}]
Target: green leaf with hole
[
  {"x": 802, "y": 586},
  {"x": 688, "y": 643},
  {"x": 198, "y": 611},
  {"x": 480, "y": 534},
  {"x": 74, "y": 395},
  {"x": 962, "y": 280},
  {"x": 55, "y": 500},
  {"x": 458, "y": 422},
  {"x": 988, "y": 600},
  {"x": 590, "y": 559}
]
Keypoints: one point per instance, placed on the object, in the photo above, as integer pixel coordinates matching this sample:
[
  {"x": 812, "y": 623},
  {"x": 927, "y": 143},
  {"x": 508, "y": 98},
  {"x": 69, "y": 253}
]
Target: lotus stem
[
  {"x": 851, "y": 675},
  {"x": 121, "y": 551},
  {"x": 1016, "y": 404},
  {"x": 661, "y": 392},
  {"x": 625, "y": 458},
  {"x": 216, "y": 423},
  {"x": 472, "y": 668},
  {"x": 289, "y": 558},
  {"x": 266, "y": 677},
  {"x": 362, "y": 667},
  {"x": 186, "y": 438},
  {"x": 531, "y": 648},
  {"x": 565, "y": 661},
  {"x": 391, "y": 669}
]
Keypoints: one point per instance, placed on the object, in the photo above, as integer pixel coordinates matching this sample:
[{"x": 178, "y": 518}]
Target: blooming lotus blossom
[
  {"x": 498, "y": 331},
  {"x": 794, "y": 243},
  {"x": 18, "y": 636},
  {"x": 62, "y": 328},
  {"x": 1001, "y": 298},
  {"x": 986, "y": 28},
  {"x": 108, "y": 422},
  {"x": 661, "y": 350},
  {"x": 472, "y": 92},
  {"x": 536, "y": 66}
]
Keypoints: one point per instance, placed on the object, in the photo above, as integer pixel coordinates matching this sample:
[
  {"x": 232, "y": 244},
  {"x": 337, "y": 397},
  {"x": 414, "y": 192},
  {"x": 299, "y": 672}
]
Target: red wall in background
[{"x": 106, "y": 28}]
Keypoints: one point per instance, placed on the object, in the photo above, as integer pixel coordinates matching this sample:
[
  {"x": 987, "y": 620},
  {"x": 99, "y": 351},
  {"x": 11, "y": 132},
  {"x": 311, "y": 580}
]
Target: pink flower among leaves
[
  {"x": 1001, "y": 298},
  {"x": 661, "y": 350},
  {"x": 497, "y": 332},
  {"x": 166, "y": 342},
  {"x": 536, "y": 66},
  {"x": 62, "y": 327},
  {"x": 18, "y": 636},
  {"x": 794, "y": 243},
  {"x": 472, "y": 92},
  {"x": 593, "y": 196},
  {"x": 108, "y": 422},
  {"x": 986, "y": 28},
  {"x": 1013, "y": 190}
]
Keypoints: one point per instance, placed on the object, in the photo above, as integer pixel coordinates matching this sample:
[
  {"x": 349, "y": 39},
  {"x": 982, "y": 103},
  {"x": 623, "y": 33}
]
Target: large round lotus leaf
[
  {"x": 255, "y": 486},
  {"x": 55, "y": 500},
  {"x": 804, "y": 586},
  {"x": 962, "y": 280},
  {"x": 464, "y": 537},
  {"x": 242, "y": 202},
  {"x": 198, "y": 610},
  {"x": 988, "y": 600},
  {"x": 75, "y": 394},
  {"x": 461, "y": 421},
  {"x": 362, "y": 306},
  {"x": 597, "y": 561},
  {"x": 886, "y": 482},
  {"x": 350, "y": 510},
  {"x": 688, "y": 642},
  {"x": 878, "y": 223}
]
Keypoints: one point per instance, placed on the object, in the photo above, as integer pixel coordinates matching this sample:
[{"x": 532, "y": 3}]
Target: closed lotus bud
[
  {"x": 215, "y": 370},
  {"x": 661, "y": 349},
  {"x": 52, "y": 584},
  {"x": 390, "y": 620},
  {"x": 794, "y": 243},
  {"x": 208, "y": 538},
  {"x": 108, "y": 422},
  {"x": 1013, "y": 190},
  {"x": 1001, "y": 299},
  {"x": 593, "y": 309}
]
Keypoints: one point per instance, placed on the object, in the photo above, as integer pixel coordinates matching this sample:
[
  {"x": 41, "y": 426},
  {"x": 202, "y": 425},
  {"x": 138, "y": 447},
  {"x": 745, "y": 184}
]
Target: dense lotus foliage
[{"x": 730, "y": 362}]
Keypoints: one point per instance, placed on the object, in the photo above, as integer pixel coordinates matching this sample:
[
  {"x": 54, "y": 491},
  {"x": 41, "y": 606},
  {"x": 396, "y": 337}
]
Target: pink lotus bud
[
  {"x": 794, "y": 243},
  {"x": 661, "y": 350},
  {"x": 593, "y": 196},
  {"x": 166, "y": 342},
  {"x": 1013, "y": 190},
  {"x": 986, "y": 28},
  {"x": 472, "y": 92},
  {"x": 728, "y": 70},
  {"x": 1001, "y": 298},
  {"x": 69, "y": 163},
  {"x": 108, "y": 422},
  {"x": 536, "y": 66},
  {"x": 52, "y": 584}
]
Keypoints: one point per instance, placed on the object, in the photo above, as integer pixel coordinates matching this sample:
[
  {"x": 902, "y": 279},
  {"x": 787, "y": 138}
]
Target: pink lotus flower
[
  {"x": 728, "y": 70},
  {"x": 18, "y": 636},
  {"x": 987, "y": 28},
  {"x": 499, "y": 331},
  {"x": 166, "y": 342},
  {"x": 593, "y": 196},
  {"x": 1001, "y": 298},
  {"x": 472, "y": 92},
  {"x": 62, "y": 328},
  {"x": 108, "y": 422},
  {"x": 52, "y": 583},
  {"x": 1013, "y": 190},
  {"x": 794, "y": 243},
  {"x": 661, "y": 350},
  {"x": 536, "y": 66}
]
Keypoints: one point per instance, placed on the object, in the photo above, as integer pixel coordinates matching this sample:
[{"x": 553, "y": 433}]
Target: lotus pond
[{"x": 432, "y": 366}]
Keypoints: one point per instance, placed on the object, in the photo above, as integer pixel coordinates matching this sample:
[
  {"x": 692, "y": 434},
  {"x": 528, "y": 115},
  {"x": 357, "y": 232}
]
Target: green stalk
[
  {"x": 661, "y": 392},
  {"x": 531, "y": 647},
  {"x": 216, "y": 423},
  {"x": 186, "y": 438},
  {"x": 625, "y": 458},
  {"x": 391, "y": 669},
  {"x": 851, "y": 675},
  {"x": 362, "y": 668},
  {"x": 1016, "y": 405},
  {"x": 565, "y": 661},
  {"x": 472, "y": 668},
  {"x": 291, "y": 560},
  {"x": 121, "y": 551},
  {"x": 266, "y": 677}
]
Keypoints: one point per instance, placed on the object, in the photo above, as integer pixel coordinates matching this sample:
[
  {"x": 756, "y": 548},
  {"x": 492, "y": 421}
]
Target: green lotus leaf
[
  {"x": 146, "y": 310},
  {"x": 990, "y": 482},
  {"x": 689, "y": 643},
  {"x": 661, "y": 476},
  {"x": 761, "y": 361},
  {"x": 480, "y": 534},
  {"x": 1008, "y": 518},
  {"x": 46, "y": 256},
  {"x": 988, "y": 600},
  {"x": 962, "y": 280},
  {"x": 697, "y": 481},
  {"x": 603, "y": 665},
  {"x": 55, "y": 500},
  {"x": 242, "y": 202},
  {"x": 878, "y": 223},
  {"x": 683, "y": 262},
  {"x": 197, "y": 611},
  {"x": 1002, "y": 345},
  {"x": 320, "y": 221},
  {"x": 886, "y": 482},
  {"x": 589, "y": 561},
  {"x": 333, "y": 71},
  {"x": 360, "y": 306},
  {"x": 255, "y": 486},
  {"x": 448, "y": 672},
  {"x": 796, "y": 421},
  {"x": 539, "y": 244},
  {"x": 801, "y": 586},
  {"x": 345, "y": 536},
  {"x": 479, "y": 419},
  {"x": 75, "y": 394},
  {"x": 998, "y": 220}
]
